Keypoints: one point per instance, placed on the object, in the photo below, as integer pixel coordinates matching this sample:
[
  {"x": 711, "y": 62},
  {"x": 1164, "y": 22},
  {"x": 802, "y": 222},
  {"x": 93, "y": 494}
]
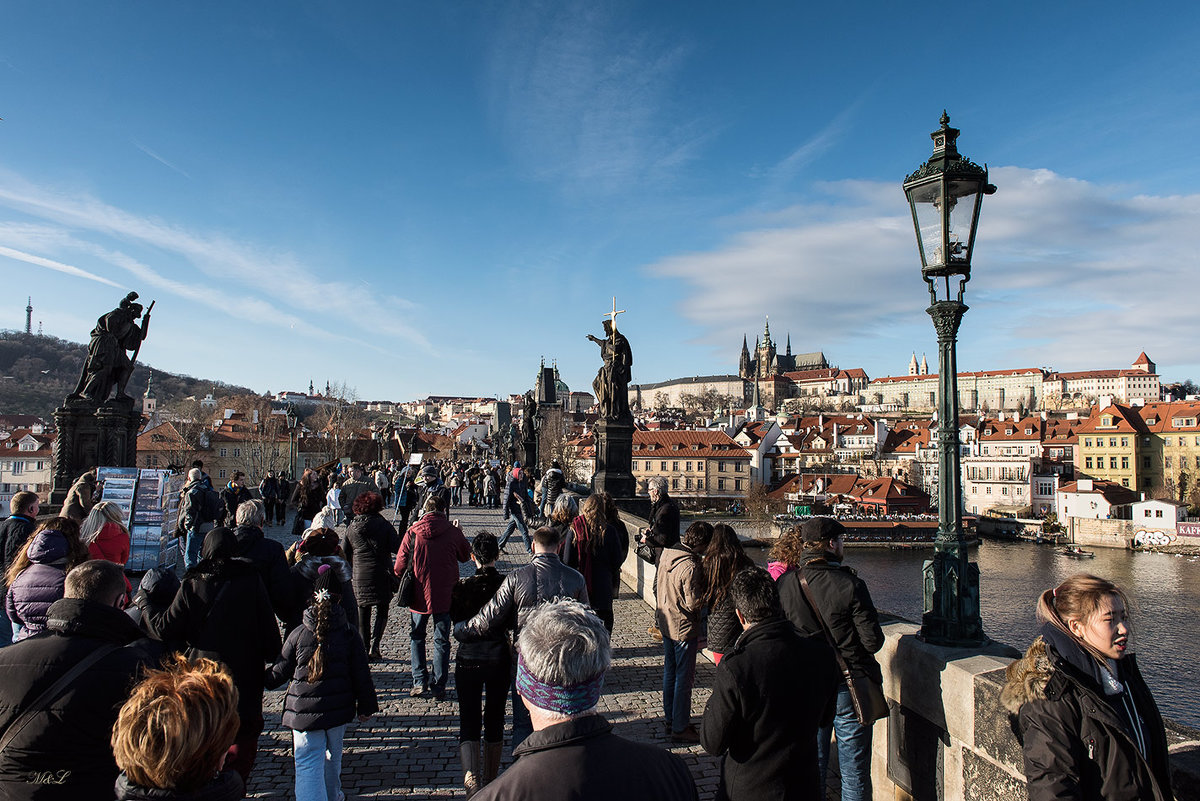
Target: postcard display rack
[{"x": 150, "y": 501}]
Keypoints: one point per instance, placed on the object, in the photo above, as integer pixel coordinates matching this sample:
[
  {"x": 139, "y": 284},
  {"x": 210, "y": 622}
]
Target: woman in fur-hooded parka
[{"x": 1077, "y": 742}]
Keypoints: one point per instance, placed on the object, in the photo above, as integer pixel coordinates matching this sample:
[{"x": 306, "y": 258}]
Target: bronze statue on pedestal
[{"x": 107, "y": 366}]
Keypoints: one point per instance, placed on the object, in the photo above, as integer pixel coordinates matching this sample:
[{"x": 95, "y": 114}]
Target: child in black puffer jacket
[{"x": 331, "y": 682}]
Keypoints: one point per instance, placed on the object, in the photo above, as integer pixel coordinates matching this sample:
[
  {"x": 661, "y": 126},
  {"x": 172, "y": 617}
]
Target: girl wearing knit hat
[{"x": 330, "y": 683}]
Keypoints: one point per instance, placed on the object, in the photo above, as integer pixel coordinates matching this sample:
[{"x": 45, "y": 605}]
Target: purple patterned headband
[{"x": 569, "y": 700}]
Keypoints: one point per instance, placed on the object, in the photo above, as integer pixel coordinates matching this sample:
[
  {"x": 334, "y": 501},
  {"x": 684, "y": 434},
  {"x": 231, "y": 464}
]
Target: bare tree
[{"x": 336, "y": 421}]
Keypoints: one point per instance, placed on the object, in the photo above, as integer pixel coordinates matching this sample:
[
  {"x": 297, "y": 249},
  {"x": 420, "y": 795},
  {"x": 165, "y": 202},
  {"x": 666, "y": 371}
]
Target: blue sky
[{"x": 427, "y": 198}]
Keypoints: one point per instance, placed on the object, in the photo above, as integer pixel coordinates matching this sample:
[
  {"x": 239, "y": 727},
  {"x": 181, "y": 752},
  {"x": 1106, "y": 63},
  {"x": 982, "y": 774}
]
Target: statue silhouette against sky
[{"x": 612, "y": 381}]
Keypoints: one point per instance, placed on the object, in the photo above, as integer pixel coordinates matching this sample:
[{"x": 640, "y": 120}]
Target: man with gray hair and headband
[{"x": 563, "y": 654}]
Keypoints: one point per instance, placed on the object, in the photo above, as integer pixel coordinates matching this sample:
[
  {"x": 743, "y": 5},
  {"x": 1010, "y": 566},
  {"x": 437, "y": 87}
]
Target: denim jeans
[
  {"x": 195, "y": 541},
  {"x": 441, "y": 650},
  {"x": 517, "y": 522},
  {"x": 318, "y": 756},
  {"x": 854, "y": 750},
  {"x": 679, "y": 674}
]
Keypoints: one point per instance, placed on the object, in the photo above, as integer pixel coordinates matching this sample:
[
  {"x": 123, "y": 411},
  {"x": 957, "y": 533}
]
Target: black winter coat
[
  {"x": 664, "y": 526},
  {"x": 582, "y": 758},
  {"x": 723, "y": 626},
  {"x": 70, "y": 739},
  {"x": 771, "y": 694},
  {"x": 344, "y": 689},
  {"x": 227, "y": 786},
  {"x": 370, "y": 545},
  {"x": 269, "y": 559},
  {"x": 14, "y": 531},
  {"x": 601, "y": 570},
  {"x": 1078, "y": 742},
  {"x": 304, "y": 575},
  {"x": 543, "y": 579},
  {"x": 468, "y": 597},
  {"x": 222, "y": 612},
  {"x": 845, "y": 604},
  {"x": 233, "y": 497}
]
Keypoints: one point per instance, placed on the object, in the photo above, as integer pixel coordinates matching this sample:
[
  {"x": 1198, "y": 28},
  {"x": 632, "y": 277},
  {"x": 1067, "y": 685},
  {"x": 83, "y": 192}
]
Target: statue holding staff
[
  {"x": 612, "y": 381},
  {"x": 107, "y": 366}
]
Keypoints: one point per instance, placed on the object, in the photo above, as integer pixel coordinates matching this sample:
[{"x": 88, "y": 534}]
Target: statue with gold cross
[{"x": 612, "y": 381}]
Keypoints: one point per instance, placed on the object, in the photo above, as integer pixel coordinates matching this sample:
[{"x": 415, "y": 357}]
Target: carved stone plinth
[
  {"x": 91, "y": 435},
  {"x": 614, "y": 459}
]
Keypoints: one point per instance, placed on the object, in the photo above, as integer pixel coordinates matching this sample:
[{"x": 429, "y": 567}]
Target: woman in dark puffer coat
[
  {"x": 370, "y": 546},
  {"x": 723, "y": 558},
  {"x": 1088, "y": 723},
  {"x": 320, "y": 548},
  {"x": 35, "y": 578},
  {"x": 222, "y": 612},
  {"x": 331, "y": 682}
]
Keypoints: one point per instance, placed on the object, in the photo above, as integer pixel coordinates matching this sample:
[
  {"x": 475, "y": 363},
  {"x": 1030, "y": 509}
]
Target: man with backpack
[{"x": 199, "y": 508}]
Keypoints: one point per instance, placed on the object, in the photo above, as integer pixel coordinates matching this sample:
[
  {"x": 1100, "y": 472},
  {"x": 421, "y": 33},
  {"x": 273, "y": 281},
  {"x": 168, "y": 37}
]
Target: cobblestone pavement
[{"x": 410, "y": 749}]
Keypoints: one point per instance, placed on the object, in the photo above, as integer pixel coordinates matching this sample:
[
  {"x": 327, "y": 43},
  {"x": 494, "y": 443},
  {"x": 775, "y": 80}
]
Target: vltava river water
[{"x": 1164, "y": 592}]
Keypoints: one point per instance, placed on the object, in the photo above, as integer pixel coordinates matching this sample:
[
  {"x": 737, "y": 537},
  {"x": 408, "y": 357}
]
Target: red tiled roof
[
  {"x": 1113, "y": 492},
  {"x": 707, "y": 442},
  {"x": 976, "y": 374}
]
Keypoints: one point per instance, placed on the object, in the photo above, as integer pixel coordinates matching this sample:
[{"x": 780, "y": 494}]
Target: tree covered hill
[{"x": 38, "y": 372}]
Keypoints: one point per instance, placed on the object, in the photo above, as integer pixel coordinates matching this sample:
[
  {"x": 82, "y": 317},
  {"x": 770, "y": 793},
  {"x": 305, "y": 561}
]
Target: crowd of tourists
[{"x": 156, "y": 691}]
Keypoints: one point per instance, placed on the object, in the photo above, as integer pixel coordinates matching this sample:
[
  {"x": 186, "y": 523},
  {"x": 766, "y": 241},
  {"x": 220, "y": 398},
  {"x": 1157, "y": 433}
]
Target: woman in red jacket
[{"x": 105, "y": 534}]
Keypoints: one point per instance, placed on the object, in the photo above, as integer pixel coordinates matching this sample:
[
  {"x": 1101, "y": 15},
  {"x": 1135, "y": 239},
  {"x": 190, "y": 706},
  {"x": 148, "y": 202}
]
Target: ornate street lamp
[
  {"x": 292, "y": 420},
  {"x": 945, "y": 195}
]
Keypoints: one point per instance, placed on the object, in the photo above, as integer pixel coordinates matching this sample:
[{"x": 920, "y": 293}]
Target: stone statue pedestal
[
  {"x": 614, "y": 459},
  {"x": 529, "y": 454},
  {"x": 91, "y": 435}
]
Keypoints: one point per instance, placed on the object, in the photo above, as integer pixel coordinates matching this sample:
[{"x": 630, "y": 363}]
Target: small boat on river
[{"x": 1077, "y": 552}]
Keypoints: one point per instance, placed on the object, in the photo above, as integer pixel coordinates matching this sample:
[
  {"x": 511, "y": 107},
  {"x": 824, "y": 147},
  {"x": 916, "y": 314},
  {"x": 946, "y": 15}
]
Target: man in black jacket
[
  {"x": 14, "y": 531},
  {"x": 845, "y": 605},
  {"x": 514, "y": 502},
  {"x": 63, "y": 752},
  {"x": 772, "y": 693},
  {"x": 573, "y": 752},
  {"x": 233, "y": 496},
  {"x": 545, "y": 577},
  {"x": 663, "y": 531},
  {"x": 268, "y": 556}
]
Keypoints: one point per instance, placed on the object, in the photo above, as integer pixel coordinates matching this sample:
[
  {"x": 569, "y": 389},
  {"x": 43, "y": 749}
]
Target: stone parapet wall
[{"x": 947, "y": 737}]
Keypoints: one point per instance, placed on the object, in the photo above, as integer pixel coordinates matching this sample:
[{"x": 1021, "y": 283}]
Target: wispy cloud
[
  {"x": 159, "y": 158},
  {"x": 585, "y": 102},
  {"x": 1067, "y": 273},
  {"x": 812, "y": 148},
  {"x": 273, "y": 274},
  {"x": 57, "y": 266}
]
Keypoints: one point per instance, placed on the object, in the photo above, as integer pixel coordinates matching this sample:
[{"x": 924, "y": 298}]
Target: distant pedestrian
[
  {"x": 772, "y": 692},
  {"x": 434, "y": 547},
  {"x": 491, "y": 489},
  {"x": 309, "y": 497},
  {"x": 405, "y": 491},
  {"x": 35, "y": 578},
  {"x": 330, "y": 684},
  {"x": 572, "y": 752},
  {"x": 814, "y": 551},
  {"x": 514, "y": 504},
  {"x": 172, "y": 735},
  {"x": 352, "y": 488},
  {"x": 81, "y": 497},
  {"x": 193, "y": 522},
  {"x": 680, "y": 596},
  {"x": 269, "y": 489},
  {"x": 370, "y": 546},
  {"x": 233, "y": 496},
  {"x": 481, "y": 670},
  {"x": 383, "y": 484},
  {"x": 522, "y": 590},
  {"x": 550, "y": 488},
  {"x": 1089, "y": 725},
  {"x": 723, "y": 559}
]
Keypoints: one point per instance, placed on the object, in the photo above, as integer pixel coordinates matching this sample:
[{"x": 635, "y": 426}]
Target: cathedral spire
[
  {"x": 789, "y": 344},
  {"x": 767, "y": 331}
]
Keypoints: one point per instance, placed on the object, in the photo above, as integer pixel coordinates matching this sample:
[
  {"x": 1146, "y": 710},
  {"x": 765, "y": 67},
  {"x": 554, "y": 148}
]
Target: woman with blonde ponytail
[
  {"x": 330, "y": 683},
  {"x": 1089, "y": 725}
]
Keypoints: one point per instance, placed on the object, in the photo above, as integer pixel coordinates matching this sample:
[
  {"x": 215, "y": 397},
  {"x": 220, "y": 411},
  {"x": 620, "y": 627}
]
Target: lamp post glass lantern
[{"x": 945, "y": 195}]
